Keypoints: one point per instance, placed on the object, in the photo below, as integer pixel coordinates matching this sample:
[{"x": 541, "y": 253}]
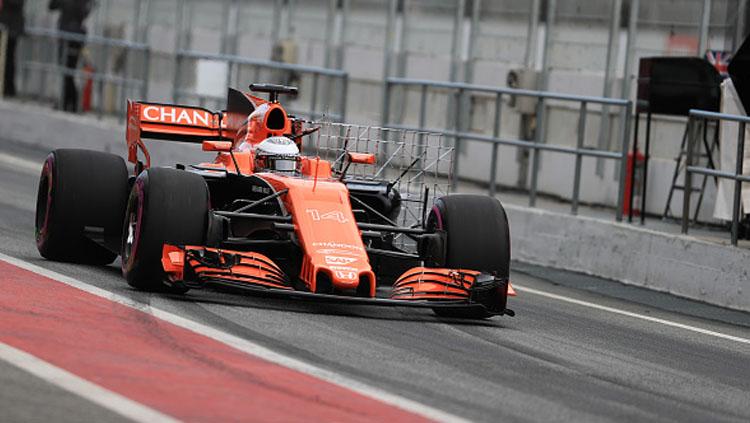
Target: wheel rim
[
  {"x": 132, "y": 229},
  {"x": 130, "y": 237}
]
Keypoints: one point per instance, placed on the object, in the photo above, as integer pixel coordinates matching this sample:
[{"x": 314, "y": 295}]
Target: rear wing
[{"x": 172, "y": 123}]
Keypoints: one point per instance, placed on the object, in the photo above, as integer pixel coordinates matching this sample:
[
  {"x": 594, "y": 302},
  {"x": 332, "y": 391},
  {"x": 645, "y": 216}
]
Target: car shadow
[{"x": 223, "y": 297}]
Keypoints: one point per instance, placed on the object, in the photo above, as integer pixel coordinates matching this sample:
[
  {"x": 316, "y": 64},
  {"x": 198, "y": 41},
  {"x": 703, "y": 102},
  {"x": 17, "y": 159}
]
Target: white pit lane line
[
  {"x": 25, "y": 165},
  {"x": 631, "y": 314},
  {"x": 81, "y": 387},
  {"x": 247, "y": 346}
]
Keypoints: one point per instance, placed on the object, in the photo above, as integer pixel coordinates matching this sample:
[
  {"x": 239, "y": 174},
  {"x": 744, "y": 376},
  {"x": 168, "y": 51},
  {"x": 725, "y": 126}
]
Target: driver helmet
[{"x": 276, "y": 154}]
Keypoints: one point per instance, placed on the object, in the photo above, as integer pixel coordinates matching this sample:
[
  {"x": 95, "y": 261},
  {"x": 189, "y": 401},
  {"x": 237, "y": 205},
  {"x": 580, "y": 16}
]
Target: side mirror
[
  {"x": 361, "y": 158},
  {"x": 223, "y": 146}
]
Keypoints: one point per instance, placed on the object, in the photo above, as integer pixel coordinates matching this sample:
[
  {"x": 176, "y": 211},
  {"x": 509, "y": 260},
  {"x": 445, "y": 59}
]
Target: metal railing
[
  {"x": 320, "y": 86},
  {"x": 536, "y": 146},
  {"x": 119, "y": 64},
  {"x": 119, "y": 69},
  {"x": 737, "y": 176}
]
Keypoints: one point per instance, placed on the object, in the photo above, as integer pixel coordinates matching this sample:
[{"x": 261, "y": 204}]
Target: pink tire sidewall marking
[{"x": 47, "y": 172}]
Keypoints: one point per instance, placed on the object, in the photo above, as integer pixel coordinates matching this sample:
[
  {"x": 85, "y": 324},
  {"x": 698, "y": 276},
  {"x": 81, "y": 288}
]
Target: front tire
[
  {"x": 81, "y": 194},
  {"x": 165, "y": 206},
  {"x": 477, "y": 237}
]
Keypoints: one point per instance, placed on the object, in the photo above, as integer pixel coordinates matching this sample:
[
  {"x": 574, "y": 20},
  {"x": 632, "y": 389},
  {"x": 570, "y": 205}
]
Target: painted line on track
[
  {"x": 248, "y": 347},
  {"x": 81, "y": 387},
  {"x": 632, "y": 314},
  {"x": 25, "y": 165}
]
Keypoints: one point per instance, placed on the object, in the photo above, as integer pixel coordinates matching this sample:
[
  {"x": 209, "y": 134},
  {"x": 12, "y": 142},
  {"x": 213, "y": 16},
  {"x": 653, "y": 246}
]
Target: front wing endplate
[{"x": 200, "y": 265}]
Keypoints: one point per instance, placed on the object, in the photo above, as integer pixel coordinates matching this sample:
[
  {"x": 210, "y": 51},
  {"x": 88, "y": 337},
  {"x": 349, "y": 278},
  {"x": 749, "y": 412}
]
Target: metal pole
[
  {"x": 550, "y": 25},
  {"x": 103, "y": 71},
  {"x": 276, "y": 31},
  {"x": 341, "y": 48},
  {"x": 179, "y": 43},
  {"x": 457, "y": 144},
  {"x": 531, "y": 34},
  {"x": 612, "y": 47},
  {"x": 136, "y": 20},
  {"x": 738, "y": 184},
  {"x": 290, "y": 12},
  {"x": 225, "y": 19},
  {"x": 455, "y": 40},
  {"x": 329, "y": 46},
  {"x": 343, "y": 96},
  {"x": 422, "y": 121},
  {"x": 423, "y": 107},
  {"x": 646, "y": 158},
  {"x": 236, "y": 27},
  {"x": 603, "y": 142},
  {"x": 101, "y": 13},
  {"x": 188, "y": 41},
  {"x": 579, "y": 158},
  {"x": 688, "y": 185},
  {"x": 705, "y": 22},
  {"x": 387, "y": 58},
  {"x": 26, "y": 51},
  {"x": 402, "y": 42},
  {"x": 147, "y": 21},
  {"x": 540, "y": 110},
  {"x": 399, "y": 56},
  {"x": 385, "y": 112},
  {"x": 630, "y": 47},
  {"x": 535, "y": 153},
  {"x": 44, "y": 51},
  {"x": 146, "y": 73},
  {"x": 625, "y": 139},
  {"x": 495, "y": 145},
  {"x": 389, "y": 38},
  {"x": 631, "y": 196},
  {"x": 64, "y": 74},
  {"x": 740, "y": 29},
  {"x": 330, "y": 20},
  {"x": 473, "y": 33},
  {"x": 385, "y": 117},
  {"x": 314, "y": 96}
]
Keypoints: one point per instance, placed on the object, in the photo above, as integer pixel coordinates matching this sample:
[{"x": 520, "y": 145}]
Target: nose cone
[
  {"x": 345, "y": 284},
  {"x": 344, "y": 277}
]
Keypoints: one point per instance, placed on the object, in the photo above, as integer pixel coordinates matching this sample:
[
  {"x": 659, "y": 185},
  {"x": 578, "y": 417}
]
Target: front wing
[{"x": 198, "y": 267}]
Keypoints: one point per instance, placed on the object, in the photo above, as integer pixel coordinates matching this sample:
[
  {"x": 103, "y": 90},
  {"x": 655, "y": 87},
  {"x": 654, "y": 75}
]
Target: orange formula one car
[{"x": 332, "y": 225}]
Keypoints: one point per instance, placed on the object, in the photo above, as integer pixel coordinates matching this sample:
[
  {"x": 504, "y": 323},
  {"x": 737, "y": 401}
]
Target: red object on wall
[
  {"x": 88, "y": 87},
  {"x": 636, "y": 165}
]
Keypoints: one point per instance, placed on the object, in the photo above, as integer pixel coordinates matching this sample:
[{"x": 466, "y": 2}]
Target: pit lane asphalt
[{"x": 555, "y": 361}]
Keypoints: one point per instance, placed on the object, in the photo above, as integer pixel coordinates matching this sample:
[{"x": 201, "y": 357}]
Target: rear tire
[
  {"x": 477, "y": 237},
  {"x": 165, "y": 206},
  {"x": 80, "y": 190}
]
